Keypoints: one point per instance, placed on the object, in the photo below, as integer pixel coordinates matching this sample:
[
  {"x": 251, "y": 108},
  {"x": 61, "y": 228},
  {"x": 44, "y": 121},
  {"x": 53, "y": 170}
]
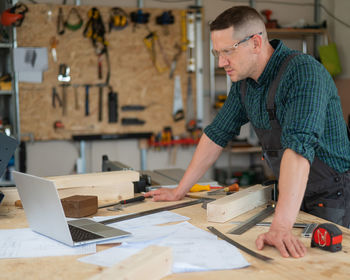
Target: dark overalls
[{"x": 327, "y": 192}]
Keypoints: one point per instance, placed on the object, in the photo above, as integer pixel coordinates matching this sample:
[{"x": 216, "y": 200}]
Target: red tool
[
  {"x": 327, "y": 237},
  {"x": 270, "y": 23}
]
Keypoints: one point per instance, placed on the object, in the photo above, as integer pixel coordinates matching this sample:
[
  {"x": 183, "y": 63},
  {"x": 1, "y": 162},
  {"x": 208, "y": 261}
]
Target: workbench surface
[{"x": 317, "y": 264}]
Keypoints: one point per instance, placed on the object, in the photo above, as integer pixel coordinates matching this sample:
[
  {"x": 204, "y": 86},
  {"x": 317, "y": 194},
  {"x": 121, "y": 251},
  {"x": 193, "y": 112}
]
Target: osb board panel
[{"x": 133, "y": 76}]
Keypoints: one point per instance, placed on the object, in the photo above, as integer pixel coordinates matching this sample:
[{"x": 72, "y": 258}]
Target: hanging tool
[
  {"x": 178, "y": 112},
  {"x": 191, "y": 65},
  {"x": 77, "y": 22},
  {"x": 112, "y": 106},
  {"x": 58, "y": 125},
  {"x": 53, "y": 47},
  {"x": 139, "y": 17},
  {"x": 327, "y": 237},
  {"x": 95, "y": 30},
  {"x": 64, "y": 98},
  {"x": 191, "y": 123},
  {"x": 132, "y": 121},
  {"x": 152, "y": 211},
  {"x": 135, "y": 107},
  {"x": 55, "y": 97},
  {"x": 14, "y": 16},
  {"x": 118, "y": 19},
  {"x": 238, "y": 245},
  {"x": 100, "y": 102},
  {"x": 174, "y": 61},
  {"x": 76, "y": 97},
  {"x": 60, "y": 22},
  {"x": 119, "y": 205},
  {"x": 232, "y": 188},
  {"x": 63, "y": 73},
  {"x": 184, "y": 40},
  {"x": 150, "y": 42},
  {"x": 87, "y": 87},
  {"x": 165, "y": 19}
]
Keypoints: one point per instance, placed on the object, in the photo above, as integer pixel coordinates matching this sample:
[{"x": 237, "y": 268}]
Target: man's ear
[{"x": 257, "y": 43}]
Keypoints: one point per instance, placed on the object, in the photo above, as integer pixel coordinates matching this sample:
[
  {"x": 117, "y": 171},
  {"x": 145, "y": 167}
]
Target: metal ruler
[
  {"x": 307, "y": 232},
  {"x": 239, "y": 246},
  {"x": 152, "y": 211},
  {"x": 253, "y": 221}
]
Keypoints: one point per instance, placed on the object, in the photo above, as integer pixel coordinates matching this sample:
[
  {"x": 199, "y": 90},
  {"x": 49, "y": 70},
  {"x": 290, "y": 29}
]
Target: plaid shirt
[{"x": 307, "y": 107}]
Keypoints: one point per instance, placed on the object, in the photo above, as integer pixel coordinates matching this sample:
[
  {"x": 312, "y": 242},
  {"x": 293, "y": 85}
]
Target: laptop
[{"x": 45, "y": 214}]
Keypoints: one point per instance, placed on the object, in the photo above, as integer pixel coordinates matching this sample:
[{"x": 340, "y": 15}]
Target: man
[{"x": 292, "y": 103}]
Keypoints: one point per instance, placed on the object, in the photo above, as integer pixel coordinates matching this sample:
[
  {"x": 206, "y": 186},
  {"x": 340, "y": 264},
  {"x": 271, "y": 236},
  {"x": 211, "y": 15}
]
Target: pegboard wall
[{"x": 133, "y": 76}]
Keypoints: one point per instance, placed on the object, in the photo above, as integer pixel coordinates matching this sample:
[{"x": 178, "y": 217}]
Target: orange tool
[
  {"x": 232, "y": 188},
  {"x": 199, "y": 188},
  {"x": 53, "y": 46}
]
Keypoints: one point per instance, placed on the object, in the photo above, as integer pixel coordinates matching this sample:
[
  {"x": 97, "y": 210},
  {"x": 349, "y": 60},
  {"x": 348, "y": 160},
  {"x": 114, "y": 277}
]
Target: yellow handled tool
[{"x": 199, "y": 188}]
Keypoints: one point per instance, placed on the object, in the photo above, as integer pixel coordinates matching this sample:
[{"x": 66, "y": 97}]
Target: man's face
[{"x": 232, "y": 55}]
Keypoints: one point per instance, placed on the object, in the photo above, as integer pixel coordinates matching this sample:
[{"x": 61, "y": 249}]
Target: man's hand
[
  {"x": 164, "y": 194},
  {"x": 284, "y": 241}
]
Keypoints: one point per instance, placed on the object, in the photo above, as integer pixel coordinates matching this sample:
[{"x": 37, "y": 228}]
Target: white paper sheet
[
  {"x": 148, "y": 220},
  {"x": 193, "y": 250},
  {"x": 24, "y": 243}
]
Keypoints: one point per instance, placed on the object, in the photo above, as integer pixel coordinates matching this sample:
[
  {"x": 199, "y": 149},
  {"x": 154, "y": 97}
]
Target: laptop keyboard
[{"x": 79, "y": 234}]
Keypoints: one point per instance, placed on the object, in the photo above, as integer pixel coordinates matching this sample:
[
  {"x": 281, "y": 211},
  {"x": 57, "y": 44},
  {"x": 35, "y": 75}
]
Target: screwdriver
[
  {"x": 199, "y": 188},
  {"x": 232, "y": 188}
]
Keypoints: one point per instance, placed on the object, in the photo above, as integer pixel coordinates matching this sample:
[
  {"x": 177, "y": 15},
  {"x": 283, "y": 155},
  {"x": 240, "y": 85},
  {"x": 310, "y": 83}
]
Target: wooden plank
[
  {"x": 152, "y": 263},
  {"x": 107, "y": 186},
  {"x": 94, "y": 179},
  {"x": 228, "y": 207}
]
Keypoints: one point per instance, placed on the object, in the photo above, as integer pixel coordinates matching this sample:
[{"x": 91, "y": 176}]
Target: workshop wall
[
  {"x": 49, "y": 158},
  {"x": 133, "y": 76}
]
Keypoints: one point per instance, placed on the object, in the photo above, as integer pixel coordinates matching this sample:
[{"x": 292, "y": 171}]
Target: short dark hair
[{"x": 236, "y": 16}]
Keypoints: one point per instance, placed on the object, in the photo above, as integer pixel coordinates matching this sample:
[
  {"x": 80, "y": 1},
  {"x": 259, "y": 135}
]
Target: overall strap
[{"x": 270, "y": 104}]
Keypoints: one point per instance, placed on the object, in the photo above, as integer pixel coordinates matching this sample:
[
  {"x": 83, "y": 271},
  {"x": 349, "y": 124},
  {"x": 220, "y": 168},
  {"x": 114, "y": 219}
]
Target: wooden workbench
[{"x": 317, "y": 264}]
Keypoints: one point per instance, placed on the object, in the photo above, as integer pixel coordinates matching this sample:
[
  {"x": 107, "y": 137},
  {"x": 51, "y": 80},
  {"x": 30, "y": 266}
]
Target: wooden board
[
  {"x": 107, "y": 186},
  {"x": 133, "y": 76},
  {"x": 152, "y": 263},
  {"x": 228, "y": 207}
]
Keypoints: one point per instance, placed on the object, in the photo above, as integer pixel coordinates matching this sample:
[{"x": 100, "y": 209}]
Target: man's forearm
[
  {"x": 293, "y": 178},
  {"x": 205, "y": 155}
]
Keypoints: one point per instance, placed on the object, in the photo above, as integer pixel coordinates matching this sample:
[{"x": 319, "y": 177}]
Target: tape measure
[{"x": 327, "y": 237}]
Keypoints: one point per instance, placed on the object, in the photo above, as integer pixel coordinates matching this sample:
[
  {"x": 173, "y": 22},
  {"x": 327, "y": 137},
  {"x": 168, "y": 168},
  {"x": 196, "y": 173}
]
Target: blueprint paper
[
  {"x": 194, "y": 250},
  {"x": 25, "y": 243}
]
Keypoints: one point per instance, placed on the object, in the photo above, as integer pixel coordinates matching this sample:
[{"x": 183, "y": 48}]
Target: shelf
[
  {"x": 5, "y": 92},
  {"x": 245, "y": 150},
  {"x": 292, "y": 33}
]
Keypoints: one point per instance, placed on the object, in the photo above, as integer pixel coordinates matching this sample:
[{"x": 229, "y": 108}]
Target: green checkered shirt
[{"x": 307, "y": 106}]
